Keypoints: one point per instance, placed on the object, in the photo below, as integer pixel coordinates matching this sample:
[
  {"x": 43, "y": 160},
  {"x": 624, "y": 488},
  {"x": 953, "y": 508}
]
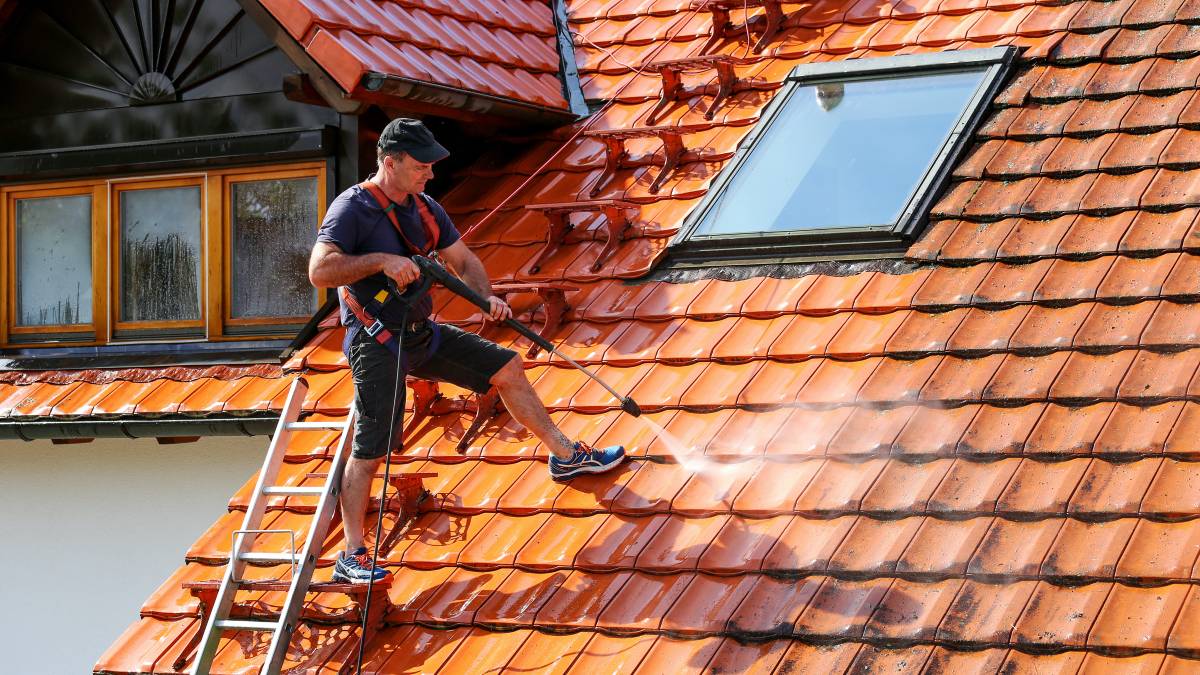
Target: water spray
[{"x": 438, "y": 273}]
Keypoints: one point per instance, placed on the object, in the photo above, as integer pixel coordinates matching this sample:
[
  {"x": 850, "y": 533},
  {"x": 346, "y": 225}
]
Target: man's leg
[
  {"x": 525, "y": 407},
  {"x": 356, "y": 488},
  {"x": 374, "y": 371}
]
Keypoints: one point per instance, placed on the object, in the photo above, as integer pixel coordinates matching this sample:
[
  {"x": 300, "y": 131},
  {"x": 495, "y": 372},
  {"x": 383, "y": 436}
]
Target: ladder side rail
[
  {"x": 207, "y": 649},
  {"x": 317, "y": 533}
]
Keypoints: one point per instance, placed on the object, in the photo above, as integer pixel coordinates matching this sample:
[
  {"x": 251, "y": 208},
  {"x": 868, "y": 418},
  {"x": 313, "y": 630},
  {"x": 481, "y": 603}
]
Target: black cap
[{"x": 407, "y": 135}]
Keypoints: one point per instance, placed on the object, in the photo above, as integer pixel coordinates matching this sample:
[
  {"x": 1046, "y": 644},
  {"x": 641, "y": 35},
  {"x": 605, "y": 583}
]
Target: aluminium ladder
[{"x": 303, "y": 563}]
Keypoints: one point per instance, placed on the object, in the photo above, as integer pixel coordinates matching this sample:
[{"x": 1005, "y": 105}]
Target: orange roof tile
[
  {"x": 507, "y": 50},
  {"x": 983, "y": 462}
]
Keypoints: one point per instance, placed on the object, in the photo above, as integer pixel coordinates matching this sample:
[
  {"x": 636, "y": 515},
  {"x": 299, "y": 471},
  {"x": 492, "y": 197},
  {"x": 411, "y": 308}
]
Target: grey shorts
[{"x": 455, "y": 356}]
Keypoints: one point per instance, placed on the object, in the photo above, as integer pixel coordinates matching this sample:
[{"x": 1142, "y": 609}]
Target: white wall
[{"x": 88, "y": 531}]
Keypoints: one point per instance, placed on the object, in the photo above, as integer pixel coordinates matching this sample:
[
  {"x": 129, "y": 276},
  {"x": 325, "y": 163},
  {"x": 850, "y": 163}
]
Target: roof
[
  {"x": 501, "y": 48},
  {"x": 978, "y": 460}
]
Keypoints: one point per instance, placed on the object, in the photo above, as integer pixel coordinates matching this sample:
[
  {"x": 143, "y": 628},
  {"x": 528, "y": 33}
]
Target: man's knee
[
  {"x": 511, "y": 374},
  {"x": 358, "y": 465}
]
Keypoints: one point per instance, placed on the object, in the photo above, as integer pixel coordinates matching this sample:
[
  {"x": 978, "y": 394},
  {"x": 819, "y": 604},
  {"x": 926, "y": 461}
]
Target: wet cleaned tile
[
  {"x": 651, "y": 489},
  {"x": 934, "y": 431},
  {"x": 556, "y": 542},
  {"x": 749, "y": 658},
  {"x": 642, "y": 602},
  {"x": 898, "y": 380},
  {"x": 669, "y": 653},
  {"x": 912, "y": 610},
  {"x": 620, "y": 655},
  {"x": 905, "y": 487},
  {"x": 480, "y": 646},
  {"x": 808, "y": 658},
  {"x": 984, "y": 331},
  {"x": 841, "y": 608},
  {"x": 807, "y": 545},
  {"x": 460, "y": 596},
  {"x": 806, "y": 432},
  {"x": 999, "y": 431},
  {"x": 707, "y": 604},
  {"x": 517, "y": 600},
  {"x": 839, "y": 487},
  {"x": 869, "y": 431},
  {"x": 679, "y": 544},
  {"x": 923, "y": 333},
  {"x": 580, "y": 599},
  {"x": 807, "y": 336},
  {"x": 441, "y": 538},
  {"x": 547, "y": 653},
  {"x": 961, "y": 379},
  {"x": 497, "y": 543},
  {"x": 771, "y": 606}
]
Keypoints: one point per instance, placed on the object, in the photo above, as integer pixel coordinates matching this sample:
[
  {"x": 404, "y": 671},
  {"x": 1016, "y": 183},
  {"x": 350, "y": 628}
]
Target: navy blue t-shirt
[{"x": 356, "y": 224}]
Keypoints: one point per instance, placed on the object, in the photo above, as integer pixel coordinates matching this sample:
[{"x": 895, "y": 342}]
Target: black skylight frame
[{"x": 849, "y": 242}]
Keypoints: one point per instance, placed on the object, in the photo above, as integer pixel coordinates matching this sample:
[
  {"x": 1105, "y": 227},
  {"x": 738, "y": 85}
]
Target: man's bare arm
[
  {"x": 466, "y": 263},
  {"x": 470, "y": 269},
  {"x": 329, "y": 266}
]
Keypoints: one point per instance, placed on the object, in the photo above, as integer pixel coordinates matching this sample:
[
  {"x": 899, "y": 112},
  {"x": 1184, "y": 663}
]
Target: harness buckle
[{"x": 374, "y": 328}]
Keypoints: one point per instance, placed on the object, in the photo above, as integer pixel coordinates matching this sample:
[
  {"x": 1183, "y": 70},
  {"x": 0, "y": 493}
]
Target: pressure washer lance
[{"x": 438, "y": 273}]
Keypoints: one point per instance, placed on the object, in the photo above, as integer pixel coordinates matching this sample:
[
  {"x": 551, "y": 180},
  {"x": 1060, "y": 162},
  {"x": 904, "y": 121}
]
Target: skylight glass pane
[
  {"x": 54, "y": 261},
  {"x": 843, "y": 154}
]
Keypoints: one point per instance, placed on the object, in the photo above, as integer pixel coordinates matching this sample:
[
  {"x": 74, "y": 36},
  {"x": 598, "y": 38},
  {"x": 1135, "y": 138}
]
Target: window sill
[{"x": 144, "y": 355}]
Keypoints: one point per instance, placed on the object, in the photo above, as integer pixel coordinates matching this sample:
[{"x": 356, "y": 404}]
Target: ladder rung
[
  {"x": 269, "y": 557},
  {"x": 237, "y": 624},
  {"x": 299, "y": 426},
  {"x": 283, "y": 490}
]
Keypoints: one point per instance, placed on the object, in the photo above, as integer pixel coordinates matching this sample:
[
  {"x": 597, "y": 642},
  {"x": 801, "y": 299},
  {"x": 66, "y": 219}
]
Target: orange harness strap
[
  {"x": 432, "y": 231},
  {"x": 371, "y": 323}
]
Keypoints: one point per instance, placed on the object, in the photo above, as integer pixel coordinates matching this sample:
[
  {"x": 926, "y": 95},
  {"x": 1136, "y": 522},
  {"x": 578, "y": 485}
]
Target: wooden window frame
[
  {"x": 89, "y": 332},
  {"x": 117, "y": 188},
  {"x": 228, "y": 180},
  {"x": 216, "y": 244}
]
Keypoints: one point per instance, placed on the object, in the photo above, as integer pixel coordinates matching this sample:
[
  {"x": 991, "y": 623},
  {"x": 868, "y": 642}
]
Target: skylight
[{"x": 847, "y": 156}]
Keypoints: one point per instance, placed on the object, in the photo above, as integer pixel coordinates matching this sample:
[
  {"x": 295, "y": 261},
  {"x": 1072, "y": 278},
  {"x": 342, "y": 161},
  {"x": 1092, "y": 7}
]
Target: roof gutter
[
  {"x": 89, "y": 428},
  {"x": 471, "y": 102}
]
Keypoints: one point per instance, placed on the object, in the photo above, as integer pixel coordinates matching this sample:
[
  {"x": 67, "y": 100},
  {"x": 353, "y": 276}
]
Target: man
[{"x": 370, "y": 233}]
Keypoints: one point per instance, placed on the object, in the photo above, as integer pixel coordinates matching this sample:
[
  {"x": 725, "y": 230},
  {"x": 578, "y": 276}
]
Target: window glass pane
[
  {"x": 160, "y": 254},
  {"x": 273, "y": 230},
  {"x": 54, "y": 261},
  {"x": 843, "y": 154}
]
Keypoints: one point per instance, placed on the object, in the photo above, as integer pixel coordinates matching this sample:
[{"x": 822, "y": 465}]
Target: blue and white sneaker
[
  {"x": 586, "y": 460},
  {"x": 355, "y": 568}
]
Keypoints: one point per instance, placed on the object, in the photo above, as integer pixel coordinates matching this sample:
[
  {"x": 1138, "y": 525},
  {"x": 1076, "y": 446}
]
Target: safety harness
[{"x": 368, "y": 314}]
